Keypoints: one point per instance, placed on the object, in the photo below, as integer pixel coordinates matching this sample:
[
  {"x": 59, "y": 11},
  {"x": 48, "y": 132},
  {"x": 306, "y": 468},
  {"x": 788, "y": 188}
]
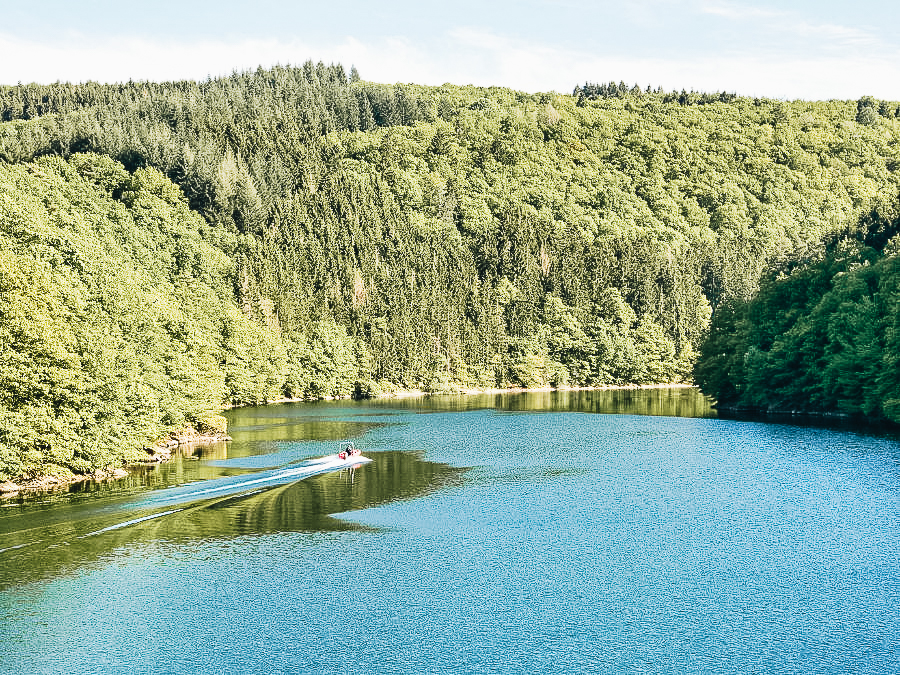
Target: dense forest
[
  {"x": 167, "y": 248},
  {"x": 824, "y": 337}
]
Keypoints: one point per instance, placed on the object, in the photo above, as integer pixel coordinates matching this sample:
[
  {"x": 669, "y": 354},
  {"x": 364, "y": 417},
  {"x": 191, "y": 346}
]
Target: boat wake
[
  {"x": 61, "y": 539},
  {"x": 234, "y": 485},
  {"x": 133, "y": 521}
]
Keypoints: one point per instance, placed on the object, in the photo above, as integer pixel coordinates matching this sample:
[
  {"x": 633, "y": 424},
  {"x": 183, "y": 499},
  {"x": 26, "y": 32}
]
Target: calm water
[{"x": 576, "y": 532}]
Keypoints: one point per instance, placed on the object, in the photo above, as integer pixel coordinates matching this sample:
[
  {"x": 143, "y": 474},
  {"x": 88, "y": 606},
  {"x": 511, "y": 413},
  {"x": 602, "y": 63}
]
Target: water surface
[{"x": 499, "y": 534}]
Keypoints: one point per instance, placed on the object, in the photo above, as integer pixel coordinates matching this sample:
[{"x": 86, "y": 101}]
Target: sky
[{"x": 793, "y": 49}]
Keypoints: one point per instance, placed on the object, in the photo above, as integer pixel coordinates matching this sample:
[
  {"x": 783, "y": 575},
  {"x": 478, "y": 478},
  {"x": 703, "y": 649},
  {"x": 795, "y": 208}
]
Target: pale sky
[{"x": 810, "y": 49}]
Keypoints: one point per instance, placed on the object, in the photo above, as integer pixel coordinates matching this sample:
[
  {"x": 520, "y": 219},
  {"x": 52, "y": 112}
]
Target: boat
[{"x": 348, "y": 451}]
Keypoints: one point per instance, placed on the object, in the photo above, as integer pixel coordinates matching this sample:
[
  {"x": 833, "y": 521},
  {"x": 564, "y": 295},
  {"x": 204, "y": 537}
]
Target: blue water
[{"x": 484, "y": 540}]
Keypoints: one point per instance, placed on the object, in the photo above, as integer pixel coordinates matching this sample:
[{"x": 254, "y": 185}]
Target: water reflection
[
  {"x": 863, "y": 425},
  {"x": 308, "y": 505},
  {"x": 86, "y": 535},
  {"x": 41, "y": 535},
  {"x": 250, "y": 428},
  {"x": 665, "y": 401},
  {"x": 189, "y": 463}
]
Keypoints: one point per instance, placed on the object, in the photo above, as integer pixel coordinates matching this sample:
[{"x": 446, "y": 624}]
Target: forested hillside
[
  {"x": 326, "y": 235},
  {"x": 118, "y": 322},
  {"x": 824, "y": 338}
]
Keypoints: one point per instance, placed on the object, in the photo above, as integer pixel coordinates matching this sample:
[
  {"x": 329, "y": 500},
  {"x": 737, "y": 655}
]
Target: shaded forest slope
[{"x": 824, "y": 338}]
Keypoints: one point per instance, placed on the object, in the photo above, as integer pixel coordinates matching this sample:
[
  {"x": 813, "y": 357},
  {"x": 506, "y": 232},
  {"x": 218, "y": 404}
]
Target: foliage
[
  {"x": 298, "y": 232},
  {"x": 117, "y": 316},
  {"x": 823, "y": 338}
]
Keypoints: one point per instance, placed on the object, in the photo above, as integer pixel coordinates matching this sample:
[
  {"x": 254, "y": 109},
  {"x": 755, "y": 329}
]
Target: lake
[{"x": 578, "y": 532}]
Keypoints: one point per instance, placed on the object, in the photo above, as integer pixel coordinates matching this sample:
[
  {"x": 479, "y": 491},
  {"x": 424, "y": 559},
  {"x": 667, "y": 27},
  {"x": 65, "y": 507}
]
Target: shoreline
[
  {"x": 474, "y": 391},
  {"x": 158, "y": 453},
  {"x": 161, "y": 451},
  {"x": 466, "y": 391},
  {"x": 816, "y": 417}
]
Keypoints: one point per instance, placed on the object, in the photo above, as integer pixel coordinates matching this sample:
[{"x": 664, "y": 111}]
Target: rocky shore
[
  {"x": 57, "y": 480},
  {"x": 162, "y": 450},
  {"x": 159, "y": 452}
]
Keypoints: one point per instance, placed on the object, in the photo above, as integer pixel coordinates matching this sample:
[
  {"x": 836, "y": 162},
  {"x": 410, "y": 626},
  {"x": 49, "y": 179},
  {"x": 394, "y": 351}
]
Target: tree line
[
  {"x": 358, "y": 237},
  {"x": 592, "y": 91},
  {"x": 822, "y": 337}
]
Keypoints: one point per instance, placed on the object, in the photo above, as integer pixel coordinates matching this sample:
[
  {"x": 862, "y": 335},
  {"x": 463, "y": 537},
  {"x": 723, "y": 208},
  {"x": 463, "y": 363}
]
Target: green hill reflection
[{"x": 95, "y": 532}]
